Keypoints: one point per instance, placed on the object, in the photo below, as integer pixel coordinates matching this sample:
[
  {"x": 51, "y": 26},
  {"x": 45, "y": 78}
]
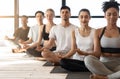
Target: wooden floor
[{"x": 18, "y": 66}]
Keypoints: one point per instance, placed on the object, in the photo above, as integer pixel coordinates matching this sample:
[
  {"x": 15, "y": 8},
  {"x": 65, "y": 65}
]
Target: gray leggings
[{"x": 111, "y": 69}]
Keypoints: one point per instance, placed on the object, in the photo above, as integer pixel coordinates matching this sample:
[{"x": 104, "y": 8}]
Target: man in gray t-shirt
[{"x": 61, "y": 35}]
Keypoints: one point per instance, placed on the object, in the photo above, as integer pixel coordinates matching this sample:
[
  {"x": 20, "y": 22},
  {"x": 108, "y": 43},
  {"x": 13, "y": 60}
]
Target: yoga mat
[
  {"x": 58, "y": 69},
  {"x": 48, "y": 64},
  {"x": 71, "y": 75},
  {"x": 78, "y": 75}
]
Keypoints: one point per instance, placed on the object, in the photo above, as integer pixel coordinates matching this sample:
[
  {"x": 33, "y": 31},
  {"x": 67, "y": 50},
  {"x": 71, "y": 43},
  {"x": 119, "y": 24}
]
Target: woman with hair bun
[{"x": 105, "y": 63}]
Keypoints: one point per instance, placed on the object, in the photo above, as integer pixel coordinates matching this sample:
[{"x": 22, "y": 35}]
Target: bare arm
[
  {"x": 14, "y": 35},
  {"x": 28, "y": 41},
  {"x": 7, "y": 38},
  {"x": 50, "y": 43},
  {"x": 97, "y": 47}
]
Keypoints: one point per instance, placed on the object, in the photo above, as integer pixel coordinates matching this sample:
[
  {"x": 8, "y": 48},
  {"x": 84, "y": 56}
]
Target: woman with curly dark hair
[{"x": 107, "y": 46}]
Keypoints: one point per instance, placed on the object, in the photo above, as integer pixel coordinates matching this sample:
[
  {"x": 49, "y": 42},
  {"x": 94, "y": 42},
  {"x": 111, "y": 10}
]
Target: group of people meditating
[{"x": 76, "y": 48}]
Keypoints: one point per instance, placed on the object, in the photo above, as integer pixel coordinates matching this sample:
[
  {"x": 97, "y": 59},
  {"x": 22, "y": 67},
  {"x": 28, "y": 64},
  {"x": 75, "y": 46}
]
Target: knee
[
  {"x": 45, "y": 53},
  {"x": 62, "y": 61},
  {"x": 89, "y": 59}
]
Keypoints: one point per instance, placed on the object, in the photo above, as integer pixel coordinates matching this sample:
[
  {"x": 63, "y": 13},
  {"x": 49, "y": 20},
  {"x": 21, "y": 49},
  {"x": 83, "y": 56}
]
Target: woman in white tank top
[{"x": 82, "y": 44}]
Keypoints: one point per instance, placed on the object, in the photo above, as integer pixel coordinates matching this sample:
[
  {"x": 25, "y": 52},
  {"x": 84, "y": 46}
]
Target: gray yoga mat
[
  {"x": 71, "y": 75},
  {"x": 58, "y": 69},
  {"x": 78, "y": 75},
  {"x": 48, "y": 64}
]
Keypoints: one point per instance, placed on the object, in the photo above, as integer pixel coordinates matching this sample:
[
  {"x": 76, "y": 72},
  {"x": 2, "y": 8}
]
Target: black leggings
[
  {"x": 73, "y": 65},
  {"x": 33, "y": 52}
]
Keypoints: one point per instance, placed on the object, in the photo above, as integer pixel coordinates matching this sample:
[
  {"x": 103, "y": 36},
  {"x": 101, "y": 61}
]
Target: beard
[{"x": 65, "y": 19}]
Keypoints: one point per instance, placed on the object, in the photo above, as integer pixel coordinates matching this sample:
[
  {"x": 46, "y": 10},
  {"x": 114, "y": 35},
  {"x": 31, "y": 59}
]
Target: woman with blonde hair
[{"x": 43, "y": 35}]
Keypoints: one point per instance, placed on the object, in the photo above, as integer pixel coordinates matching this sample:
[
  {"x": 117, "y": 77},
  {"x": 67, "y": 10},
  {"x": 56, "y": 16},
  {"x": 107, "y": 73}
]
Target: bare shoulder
[
  {"x": 73, "y": 31},
  {"x": 98, "y": 31},
  {"x": 41, "y": 28}
]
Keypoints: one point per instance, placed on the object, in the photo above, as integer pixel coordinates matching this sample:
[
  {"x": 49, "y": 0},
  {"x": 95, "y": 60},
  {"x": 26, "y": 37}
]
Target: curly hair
[{"x": 109, "y": 4}]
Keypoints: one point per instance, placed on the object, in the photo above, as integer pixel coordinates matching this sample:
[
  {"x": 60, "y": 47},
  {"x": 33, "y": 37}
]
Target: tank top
[
  {"x": 84, "y": 43},
  {"x": 45, "y": 35},
  {"x": 111, "y": 45}
]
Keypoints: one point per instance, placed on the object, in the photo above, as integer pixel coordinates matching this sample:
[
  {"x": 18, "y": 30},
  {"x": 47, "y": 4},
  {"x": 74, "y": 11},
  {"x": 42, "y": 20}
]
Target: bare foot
[
  {"x": 18, "y": 50},
  {"x": 94, "y": 76},
  {"x": 40, "y": 59}
]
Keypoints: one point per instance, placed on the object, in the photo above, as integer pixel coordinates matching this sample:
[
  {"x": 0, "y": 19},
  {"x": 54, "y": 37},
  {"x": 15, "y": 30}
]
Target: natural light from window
[{"x": 29, "y": 7}]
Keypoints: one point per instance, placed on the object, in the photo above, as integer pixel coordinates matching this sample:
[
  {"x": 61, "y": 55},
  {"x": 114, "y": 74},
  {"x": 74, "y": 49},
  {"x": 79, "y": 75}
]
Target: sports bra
[
  {"x": 110, "y": 50},
  {"x": 44, "y": 34}
]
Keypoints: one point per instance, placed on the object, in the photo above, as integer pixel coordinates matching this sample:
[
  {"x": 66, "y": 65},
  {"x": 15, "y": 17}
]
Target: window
[
  {"x": 6, "y": 17},
  {"x": 6, "y": 7},
  {"x": 94, "y": 22},
  {"x": 29, "y": 7},
  {"x": 95, "y": 10},
  {"x": 6, "y": 27}
]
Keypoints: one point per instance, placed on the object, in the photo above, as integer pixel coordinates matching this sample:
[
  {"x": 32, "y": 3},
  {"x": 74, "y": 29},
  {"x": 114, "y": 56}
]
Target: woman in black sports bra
[
  {"x": 106, "y": 46},
  {"x": 44, "y": 31},
  {"x": 44, "y": 34}
]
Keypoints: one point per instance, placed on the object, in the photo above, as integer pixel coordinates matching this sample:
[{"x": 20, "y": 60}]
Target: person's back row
[
  {"x": 43, "y": 35},
  {"x": 34, "y": 33},
  {"x": 20, "y": 35}
]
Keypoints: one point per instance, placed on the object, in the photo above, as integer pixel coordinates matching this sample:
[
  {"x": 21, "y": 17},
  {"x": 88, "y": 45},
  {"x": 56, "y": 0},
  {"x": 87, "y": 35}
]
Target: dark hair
[
  {"x": 109, "y": 4},
  {"x": 39, "y": 12},
  {"x": 85, "y": 10},
  {"x": 65, "y": 7}
]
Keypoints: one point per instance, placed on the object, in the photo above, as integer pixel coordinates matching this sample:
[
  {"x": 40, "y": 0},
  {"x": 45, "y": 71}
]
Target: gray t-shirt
[{"x": 62, "y": 35}]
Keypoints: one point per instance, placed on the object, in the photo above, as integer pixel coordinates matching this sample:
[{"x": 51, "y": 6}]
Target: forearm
[
  {"x": 97, "y": 54},
  {"x": 110, "y": 55},
  {"x": 27, "y": 42},
  {"x": 82, "y": 52},
  {"x": 69, "y": 54},
  {"x": 33, "y": 45}
]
